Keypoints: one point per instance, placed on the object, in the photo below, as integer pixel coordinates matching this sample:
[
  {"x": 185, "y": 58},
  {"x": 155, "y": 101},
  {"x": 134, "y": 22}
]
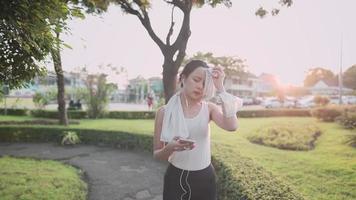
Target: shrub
[
  {"x": 79, "y": 114},
  {"x": 348, "y": 118},
  {"x": 70, "y": 137},
  {"x": 52, "y": 114},
  {"x": 347, "y": 121},
  {"x": 35, "y": 122},
  {"x": 326, "y": 114},
  {"x": 274, "y": 113},
  {"x": 351, "y": 140},
  {"x": 13, "y": 111},
  {"x": 131, "y": 115},
  {"x": 321, "y": 100},
  {"x": 98, "y": 95},
  {"x": 42, "y": 99},
  {"x": 245, "y": 180},
  {"x": 287, "y": 136}
]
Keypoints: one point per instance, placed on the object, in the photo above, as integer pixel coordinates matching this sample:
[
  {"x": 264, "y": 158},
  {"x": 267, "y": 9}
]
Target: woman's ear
[{"x": 182, "y": 78}]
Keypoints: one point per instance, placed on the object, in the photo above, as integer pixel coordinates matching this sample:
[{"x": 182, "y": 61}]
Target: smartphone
[{"x": 186, "y": 140}]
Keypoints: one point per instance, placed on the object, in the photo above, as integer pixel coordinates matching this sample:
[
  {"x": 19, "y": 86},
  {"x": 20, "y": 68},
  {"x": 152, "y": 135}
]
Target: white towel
[{"x": 174, "y": 121}]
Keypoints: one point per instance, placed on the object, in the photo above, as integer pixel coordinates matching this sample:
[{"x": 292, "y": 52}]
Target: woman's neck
[{"x": 188, "y": 102}]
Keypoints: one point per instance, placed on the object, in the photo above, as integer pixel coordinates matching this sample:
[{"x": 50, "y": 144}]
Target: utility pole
[{"x": 340, "y": 74}]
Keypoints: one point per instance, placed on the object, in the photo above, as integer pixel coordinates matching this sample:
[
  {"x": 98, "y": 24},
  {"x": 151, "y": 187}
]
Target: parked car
[
  {"x": 272, "y": 103},
  {"x": 349, "y": 99},
  {"x": 305, "y": 102},
  {"x": 247, "y": 101}
]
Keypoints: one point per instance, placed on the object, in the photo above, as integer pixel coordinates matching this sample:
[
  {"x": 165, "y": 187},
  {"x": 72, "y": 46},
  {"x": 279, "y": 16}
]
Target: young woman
[{"x": 182, "y": 132}]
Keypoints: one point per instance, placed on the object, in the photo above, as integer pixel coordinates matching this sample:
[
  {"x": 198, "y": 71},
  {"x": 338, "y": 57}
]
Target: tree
[
  {"x": 26, "y": 39},
  {"x": 98, "y": 93},
  {"x": 349, "y": 77},
  {"x": 173, "y": 51},
  {"x": 316, "y": 74},
  {"x": 60, "y": 25},
  {"x": 30, "y": 31},
  {"x": 233, "y": 66}
]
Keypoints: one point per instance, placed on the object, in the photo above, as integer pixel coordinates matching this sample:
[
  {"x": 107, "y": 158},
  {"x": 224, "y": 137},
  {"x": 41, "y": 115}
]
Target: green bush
[
  {"x": 351, "y": 140},
  {"x": 70, "y": 138},
  {"x": 245, "y": 180},
  {"x": 87, "y": 136},
  {"x": 287, "y": 136},
  {"x": 13, "y": 111},
  {"x": 348, "y": 121},
  {"x": 131, "y": 115},
  {"x": 326, "y": 114},
  {"x": 80, "y": 114},
  {"x": 242, "y": 180},
  {"x": 348, "y": 117},
  {"x": 35, "y": 122},
  {"x": 52, "y": 114},
  {"x": 274, "y": 113}
]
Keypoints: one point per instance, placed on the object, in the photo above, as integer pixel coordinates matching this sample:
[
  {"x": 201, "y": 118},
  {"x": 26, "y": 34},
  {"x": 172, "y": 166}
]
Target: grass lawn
[
  {"x": 39, "y": 180},
  {"x": 326, "y": 172}
]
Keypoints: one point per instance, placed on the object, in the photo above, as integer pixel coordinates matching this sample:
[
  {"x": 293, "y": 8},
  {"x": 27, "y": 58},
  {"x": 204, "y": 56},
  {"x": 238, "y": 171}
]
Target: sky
[{"x": 310, "y": 33}]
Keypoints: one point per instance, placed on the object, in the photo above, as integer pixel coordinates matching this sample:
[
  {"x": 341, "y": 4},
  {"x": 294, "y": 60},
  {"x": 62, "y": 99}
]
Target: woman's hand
[
  {"x": 176, "y": 145},
  {"x": 218, "y": 78}
]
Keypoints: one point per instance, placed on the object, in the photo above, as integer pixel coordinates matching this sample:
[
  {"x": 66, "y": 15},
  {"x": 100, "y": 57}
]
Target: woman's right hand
[{"x": 175, "y": 145}]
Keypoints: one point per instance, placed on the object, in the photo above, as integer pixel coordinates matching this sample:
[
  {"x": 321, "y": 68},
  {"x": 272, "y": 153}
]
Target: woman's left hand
[{"x": 218, "y": 77}]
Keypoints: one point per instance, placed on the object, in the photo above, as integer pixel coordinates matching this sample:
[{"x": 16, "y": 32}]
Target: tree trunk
[
  {"x": 57, "y": 62},
  {"x": 169, "y": 79}
]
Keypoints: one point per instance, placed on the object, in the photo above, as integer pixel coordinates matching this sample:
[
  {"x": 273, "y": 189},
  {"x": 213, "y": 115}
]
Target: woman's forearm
[
  {"x": 163, "y": 153},
  {"x": 230, "y": 123}
]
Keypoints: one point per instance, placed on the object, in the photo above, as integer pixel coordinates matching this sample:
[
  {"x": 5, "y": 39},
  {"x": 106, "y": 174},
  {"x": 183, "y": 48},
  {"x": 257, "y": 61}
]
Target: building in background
[
  {"x": 251, "y": 86},
  {"x": 322, "y": 88}
]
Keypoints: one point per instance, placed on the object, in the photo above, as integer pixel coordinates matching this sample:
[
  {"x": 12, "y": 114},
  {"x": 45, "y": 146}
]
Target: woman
[{"x": 182, "y": 132}]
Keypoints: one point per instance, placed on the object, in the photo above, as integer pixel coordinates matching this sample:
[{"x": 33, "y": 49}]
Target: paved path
[{"x": 112, "y": 174}]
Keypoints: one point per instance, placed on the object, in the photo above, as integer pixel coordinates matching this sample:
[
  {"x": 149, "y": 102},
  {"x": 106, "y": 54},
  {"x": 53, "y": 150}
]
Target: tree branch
[
  {"x": 145, "y": 20},
  {"x": 147, "y": 24},
  {"x": 177, "y": 3},
  {"x": 171, "y": 28},
  {"x": 128, "y": 8},
  {"x": 184, "y": 32}
]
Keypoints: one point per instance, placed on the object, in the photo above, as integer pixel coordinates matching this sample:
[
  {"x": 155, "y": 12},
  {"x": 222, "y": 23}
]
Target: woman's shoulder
[
  {"x": 160, "y": 113},
  {"x": 161, "y": 109}
]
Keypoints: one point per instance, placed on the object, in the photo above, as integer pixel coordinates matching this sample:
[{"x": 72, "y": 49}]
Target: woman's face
[{"x": 193, "y": 85}]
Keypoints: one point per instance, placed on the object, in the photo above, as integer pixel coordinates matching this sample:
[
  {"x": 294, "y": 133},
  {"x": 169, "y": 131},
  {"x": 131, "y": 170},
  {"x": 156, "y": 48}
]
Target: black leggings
[{"x": 189, "y": 185}]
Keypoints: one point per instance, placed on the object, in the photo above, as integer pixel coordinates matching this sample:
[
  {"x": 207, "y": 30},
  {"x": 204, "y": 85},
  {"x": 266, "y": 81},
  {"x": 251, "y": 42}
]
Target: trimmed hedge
[
  {"x": 274, "y": 113},
  {"x": 131, "y": 114},
  {"x": 243, "y": 180},
  {"x": 52, "y": 114},
  {"x": 80, "y": 114},
  {"x": 289, "y": 136},
  {"x": 13, "y": 111},
  {"x": 326, "y": 114},
  {"x": 116, "y": 139}
]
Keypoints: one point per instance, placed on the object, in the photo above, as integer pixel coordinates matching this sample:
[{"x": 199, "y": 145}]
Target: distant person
[
  {"x": 149, "y": 102},
  {"x": 182, "y": 132},
  {"x": 71, "y": 104},
  {"x": 78, "y": 104}
]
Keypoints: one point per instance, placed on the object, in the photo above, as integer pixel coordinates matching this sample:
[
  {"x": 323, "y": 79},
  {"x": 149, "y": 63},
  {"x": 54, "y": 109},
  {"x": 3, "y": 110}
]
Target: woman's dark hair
[{"x": 190, "y": 67}]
